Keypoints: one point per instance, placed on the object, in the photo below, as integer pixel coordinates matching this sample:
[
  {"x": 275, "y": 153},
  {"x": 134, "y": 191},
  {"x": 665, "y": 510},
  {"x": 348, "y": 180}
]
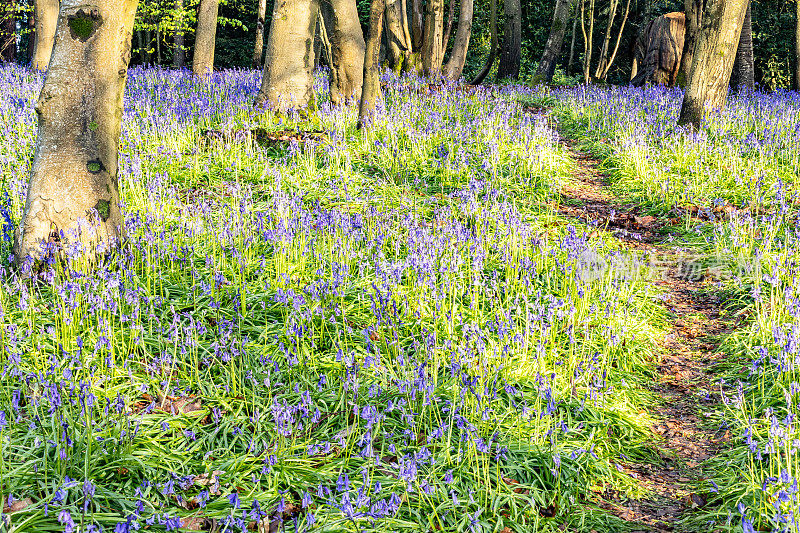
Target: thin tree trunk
[
  {"x": 604, "y": 50},
  {"x": 46, "y": 19},
  {"x": 347, "y": 48},
  {"x": 73, "y": 196},
  {"x": 511, "y": 50},
  {"x": 477, "y": 80},
  {"x": 31, "y": 30},
  {"x": 179, "y": 55},
  {"x": 742, "y": 76},
  {"x": 372, "y": 84},
  {"x": 203, "y": 62},
  {"x": 693, "y": 9},
  {"x": 458, "y": 55},
  {"x": 416, "y": 24},
  {"x": 148, "y": 55},
  {"x": 432, "y": 38},
  {"x": 8, "y": 32},
  {"x": 552, "y": 49},
  {"x": 568, "y": 70},
  {"x": 258, "y": 49},
  {"x": 797, "y": 49},
  {"x": 713, "y": 59},
  {"x": 448, "y": 27},
  {"x": 288, "y": 80},
  {"x": 603, "y": 74},
  {"x": 587, "y": 40},
  {"x": 158, "y": 43}
]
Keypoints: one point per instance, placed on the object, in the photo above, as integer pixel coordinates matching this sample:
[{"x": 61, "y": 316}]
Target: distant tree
[
  {"x": 46, "y": 15},
  {"x": 258, "y": 49},
  {"x": 487, "y": 67},
  {"x": 714, "y": 54},
  {"x": 178, "y": 52},
  {"x": 371, "y": 89},
  {"x": 205, "y": 38},
  {"x": 606, "y": 60},
  {"x": 73, "y": 198},
  {"x": 8, "y": 32},
  {"x": 343, "y": 29},
  {"x": 588, "y": 34},
  {"x": 797, "y": 47},
  {"x": 288, "y": 80},
  {"x": 555, "y": 41},
  {"x": 511, "y": 48}
]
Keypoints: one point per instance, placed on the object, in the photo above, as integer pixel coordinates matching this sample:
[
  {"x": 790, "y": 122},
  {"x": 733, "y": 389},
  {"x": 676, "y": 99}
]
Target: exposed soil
[{"x": 685, "y": 381}]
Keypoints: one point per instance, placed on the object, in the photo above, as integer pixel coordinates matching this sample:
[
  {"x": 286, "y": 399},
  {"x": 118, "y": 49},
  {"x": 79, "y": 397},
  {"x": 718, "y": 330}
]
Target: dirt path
[{"x": 685, "y": 381}]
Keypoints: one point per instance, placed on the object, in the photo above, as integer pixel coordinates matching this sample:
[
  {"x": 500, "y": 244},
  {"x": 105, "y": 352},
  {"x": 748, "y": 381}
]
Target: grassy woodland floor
[{"x": 497, "y": 310}]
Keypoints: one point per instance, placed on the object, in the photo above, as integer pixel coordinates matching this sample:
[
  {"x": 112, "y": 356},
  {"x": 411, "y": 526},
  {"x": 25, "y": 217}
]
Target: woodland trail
[{"x": 685, "y": 384}]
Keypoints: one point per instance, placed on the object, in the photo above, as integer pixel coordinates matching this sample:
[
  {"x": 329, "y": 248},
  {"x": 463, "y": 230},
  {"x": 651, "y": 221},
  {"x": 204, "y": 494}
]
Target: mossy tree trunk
[
  {"x": 46, "y": 14},
  {"x": 458, "y": 55},
  {"x": 347, "y": 48},
  {"x": 288, "y": 80},
  {"x": 371, "y": 89},
  {"x": 258, "y": 49},
  {"x": 400, "y": 48},
  {"x": 511, "y": 49},
  {"x": 743, "y": 75},
  {"x": 72, "y": 204},
  {"x": 714, "y": 54},
  {"x": 206, "y": 36},
  {"x": 555, "y": 40}
]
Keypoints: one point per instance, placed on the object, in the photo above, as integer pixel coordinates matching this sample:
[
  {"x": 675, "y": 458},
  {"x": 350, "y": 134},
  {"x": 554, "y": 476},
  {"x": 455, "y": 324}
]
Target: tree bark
[
  {"x": 511, "y": 50},
  {"x": 605, "y": 61},
  {"x": 571, "y": 57},
  {"x": 693, "y": 10},
  {"x": 288, "y": 80},
  {"x": 258, "y": 49},
  {"x": 743, "y": 75},
  {"x": 179, "y": 55},
  {"x": 587, "y": 39},
  {"x": 203, "y": 62},
  {"x": 158, "y": 43},
  {"x": 797, "y": 49},
  {"x": 458, "y": 55},
  {"x": 416, "y": 24},
  {"x": 8, "y": 32},
  {"x": 32, "y": 31},
  {"x": 448, "y": 27},
  {"x": 399, "y": 44},
  {"x": 658, "y": 50},
  {"x": 432, "y": 38},
  {"x": 372, "y": 83},
  {"x": 477, "y": 80},
  {"x": 552, "y": 48},
  {"x": 714, "y": 54},
  {"x": 72, "y": 206},
  {"x": 46, "y": 19},
  {"x": 347, "y": 48}
]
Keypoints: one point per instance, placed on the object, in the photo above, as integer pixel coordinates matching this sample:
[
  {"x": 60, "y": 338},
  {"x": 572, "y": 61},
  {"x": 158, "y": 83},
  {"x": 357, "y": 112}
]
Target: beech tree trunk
[
  {"x": 743, "y": 75},
  {"x": 203, "y": 62},
  {"x": 399, "y": 43},
  {"x": 372, "y": 83},
  {"x": 714, "y": 54},
  {"x": 258, "y": 49},
  {"x": 552, "y": 48},
  {"x": 797, "y": 49},
  {"x": 288, "y": 81},
  {"x": 416, "y": 24},
  {"x": 432, "y": 38},
  {"x": 458, "y": 55},
  {"x": 72, "y": 204},
  {"x": 179, "y": 55},
  {"x": 347, "y": 48},
  {"x": 451, "y": 9},
  {"x": 477, "y": 80},
  {"x": 511, "y": 50},
  {"x": 46, "y": 19},
  {"x": 8, "y": 32},
  {"x": 693, "y": 11}
]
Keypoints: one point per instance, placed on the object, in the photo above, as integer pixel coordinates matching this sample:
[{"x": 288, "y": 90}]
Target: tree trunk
[
  {"x": 258, "y": 49},
  {"x": 477, "y": 80},
  {"x": 606, "y": 62},
  {"x": 148, "y": 55},
  {"x": 587, "y": 39},
  {"x": 203, "y": 62},
  {"x": 31, "y": 30},
  {"x": 288, "y": 80},
  {"x": 742, "y": 76},
  {"x": 158, "y": 43},
  {"x": 458, "y": 55},
  {"x": 46, "y": 19},
  {"x": 432, "y": 38},
  {"x": 179, "y": 55},
  {"x": 72, "y": 206},
  {"x": 797, "y": 49},
  {"x": 552, "y": 49},
  {"x": 571, "y": 57},
  {"x": 693, "y": 10},
  {"x": 448, "y": 27},
  {"x": 604, "y": 50},
  {"x": 713, "y": 60},
  {"x": 658, "y": 50},
  {"x": 347, "y": 48},
  {"x": 416, "y": 24},
  {"x": 8, "y": 32},
  {"x": 372, "y": 82},
  {"x": 399, "y": 45},
  {"x": 511, "y": 51}
]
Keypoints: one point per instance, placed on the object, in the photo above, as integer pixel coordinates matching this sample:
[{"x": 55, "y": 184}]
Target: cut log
[{"x": 658, "y": 50}]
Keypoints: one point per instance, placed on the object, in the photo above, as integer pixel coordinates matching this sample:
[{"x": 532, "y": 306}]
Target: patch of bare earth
[{"x": 685, "y": 381}]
